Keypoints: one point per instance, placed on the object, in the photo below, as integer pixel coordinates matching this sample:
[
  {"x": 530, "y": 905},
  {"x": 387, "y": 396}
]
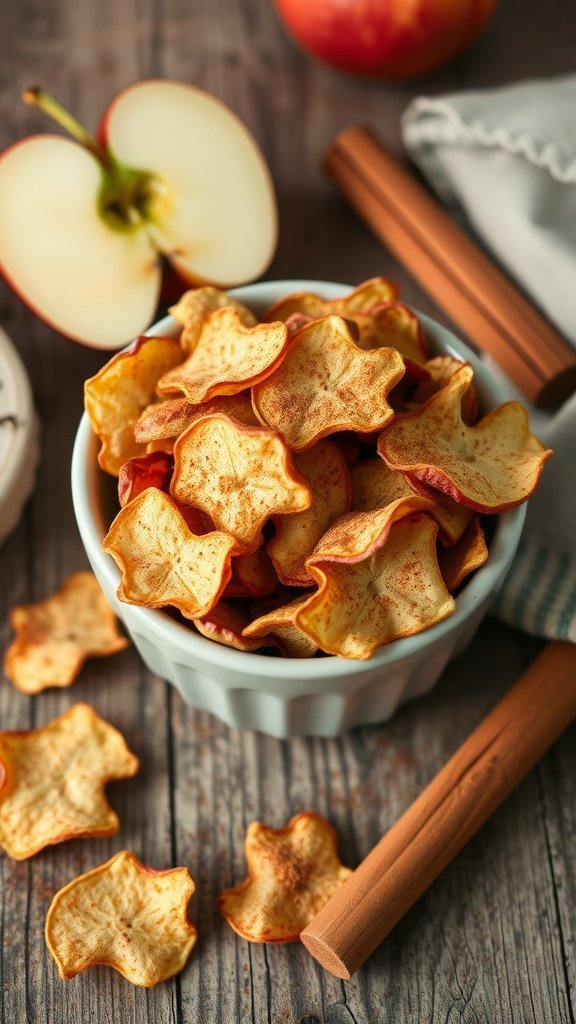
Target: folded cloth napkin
[{"x": 507, "y": 158}]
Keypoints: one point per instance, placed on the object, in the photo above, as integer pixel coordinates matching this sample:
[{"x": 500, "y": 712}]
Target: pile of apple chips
[{"x": 311, "y": 483}]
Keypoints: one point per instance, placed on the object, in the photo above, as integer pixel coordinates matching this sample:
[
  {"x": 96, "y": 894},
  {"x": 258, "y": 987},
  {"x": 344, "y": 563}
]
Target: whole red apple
[{"x": 385, "y": 38}]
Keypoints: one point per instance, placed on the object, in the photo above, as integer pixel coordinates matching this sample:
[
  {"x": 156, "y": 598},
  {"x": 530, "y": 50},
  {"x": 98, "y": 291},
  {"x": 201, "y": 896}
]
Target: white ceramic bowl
[{"x": 287, "y": 696}]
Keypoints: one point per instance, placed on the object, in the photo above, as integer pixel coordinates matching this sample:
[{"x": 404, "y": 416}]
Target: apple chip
[
  {"x": 468, "y": 554},
  {"x": 52, "y": 781},
  {"x": 395, "y": 590},
  {"x": 227, "y": 358},
  {"x": 452, "y": 518},
  {"x": 490, "y": 467},
  {"x": 279, "y": 624},
  {"x": 162, "y": 562},
  {"x": 293, "y": 872},
  {"x": 374, "y": 485},
  {"x": 440, "y": 370},
  {"x": 367, "y": 295},
  {"x": 239, "y": 475},
  {"x": 116, "y": 396},
  {"x": 170, "y": 418},
  {"x": 225, "y": 625},
  {"x": 252, "y": 576},
  {"x": 295, "y": 323},
  {"x": 194, "y": 307},
  {"x": 151, "y": 470},
  {"x": 124, "y": 915},
  {"x": 325, "y": 384},
  {"x": 54, "y": 637},
  {"x": 358, "y": 535},
  {"x": 324, "y": 469},
  {"x": 392, "y": 325}
]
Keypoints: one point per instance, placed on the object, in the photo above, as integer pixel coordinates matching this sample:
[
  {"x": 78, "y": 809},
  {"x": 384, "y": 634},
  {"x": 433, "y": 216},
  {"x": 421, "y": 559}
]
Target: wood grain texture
[{"x": 493, "y": 939}]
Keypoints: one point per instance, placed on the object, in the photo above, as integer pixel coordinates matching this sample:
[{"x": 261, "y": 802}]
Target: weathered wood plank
[{"x": 494, "y": 938}]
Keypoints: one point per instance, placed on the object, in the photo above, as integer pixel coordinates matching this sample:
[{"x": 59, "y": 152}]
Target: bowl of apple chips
[{"x": 300, "y": 499}]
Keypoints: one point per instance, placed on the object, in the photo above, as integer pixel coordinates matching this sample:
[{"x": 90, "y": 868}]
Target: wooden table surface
[{"x": 493, "y": 939}]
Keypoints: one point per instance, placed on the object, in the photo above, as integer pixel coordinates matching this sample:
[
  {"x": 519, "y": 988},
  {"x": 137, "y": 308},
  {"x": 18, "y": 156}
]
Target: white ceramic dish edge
[{"x": 292, "y": 697}]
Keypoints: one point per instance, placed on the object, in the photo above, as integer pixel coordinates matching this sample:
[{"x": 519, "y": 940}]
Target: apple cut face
[
  {"x": 219, "y": 223},
  {"x": 95, "y": 285}
]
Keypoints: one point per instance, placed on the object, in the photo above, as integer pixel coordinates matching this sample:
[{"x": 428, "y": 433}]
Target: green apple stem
[
  {"x": 129, "y": 198},
  {"x": 38, "y": 97}
]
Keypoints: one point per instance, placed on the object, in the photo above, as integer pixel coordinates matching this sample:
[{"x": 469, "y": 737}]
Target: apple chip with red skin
[
  {"x": 52, "y": 781},
  {"x": 225, "y": 624},
  {"x": 124, "y": 915},
  {"x": 464, "y": 557},
  {"x": 279, "y": 624},
  {"x": 364, "y": 602},
  {"x": 151, "y": 470},
  {"x": 54, "y": 637},
  {"x": 358, "y": 535},
  {"x": 367, "y": 295},
  {"x": 452, "y": 518},
  {"x": 324, "y": 469},
  {"x": 490, "y": 467},
  {"x": 171, "y": 417},
  {"x": 326, "y": 384},
  {"x": 194, "y": 307},
  {"x": 228, "y": 357},
  {"x": 162, "y": 562},
  {"x": 293, "y": 872},
  {"x": 375, "y": 485},
  {"x": 440, "y": 370},
  {"x": 117, "y": 395},
  {"x": 239, "y": 475}
]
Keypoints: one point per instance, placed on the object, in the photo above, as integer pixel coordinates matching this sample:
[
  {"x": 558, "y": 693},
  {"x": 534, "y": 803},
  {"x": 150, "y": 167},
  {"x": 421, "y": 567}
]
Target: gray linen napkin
[{"x": 507, "y": 158}]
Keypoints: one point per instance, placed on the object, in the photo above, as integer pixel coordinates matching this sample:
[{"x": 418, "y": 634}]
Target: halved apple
[{"x": 84, "y": 224}]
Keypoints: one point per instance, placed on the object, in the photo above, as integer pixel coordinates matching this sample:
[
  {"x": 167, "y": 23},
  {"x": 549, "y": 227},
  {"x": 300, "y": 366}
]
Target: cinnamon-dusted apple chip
[
  {"x": 324, "y": 469},
  {"x": 279, "y": 624},
  {"x": 52, "y": 781},
  {"x": 358, "y": 535},
  {"x": 170, "y": 418},
  {"x": 54, "y": 637},
  {"x": 151, "y": 470},
  {"x": 162, "y": 562},
  {"x": 490, "y": 467},
  {"x": 367, "y": 295},
  {"x": 374, "y": 485},
  {"x": 225, "y": 625},
  {"x": 452, "y": 518},
  {"x": 293, "y": 872},
  {"x": 392, "y": 325},
  {"x": 227, "y": 358},
  {"x": 194, "y": 307},
  {"x": 325, "y": 384},
  {"x": 124, "y": 915},
  {"x": 239, "y": 475},
  {"x": 468, "y": 554},
  {"x": 440, "y": 370},
  {"x": 117, "y": 395},
  {"x": 395, "y": 590}
]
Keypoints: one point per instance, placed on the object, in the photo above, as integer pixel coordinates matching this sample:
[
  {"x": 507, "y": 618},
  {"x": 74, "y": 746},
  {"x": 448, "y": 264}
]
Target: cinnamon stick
[
  {"x": 480, "y": 775},
  {"x": 461, "y": 279}
]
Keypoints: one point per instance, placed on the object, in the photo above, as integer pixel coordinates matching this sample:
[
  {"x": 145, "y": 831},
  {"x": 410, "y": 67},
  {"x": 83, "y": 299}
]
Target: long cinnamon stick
[
  {"x": 481, "y": 774},
  {"x": 487, "y": 307}
]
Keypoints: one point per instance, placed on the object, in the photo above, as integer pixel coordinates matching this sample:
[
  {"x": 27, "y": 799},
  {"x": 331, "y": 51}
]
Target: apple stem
[{"x": 38, "y": 97}]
